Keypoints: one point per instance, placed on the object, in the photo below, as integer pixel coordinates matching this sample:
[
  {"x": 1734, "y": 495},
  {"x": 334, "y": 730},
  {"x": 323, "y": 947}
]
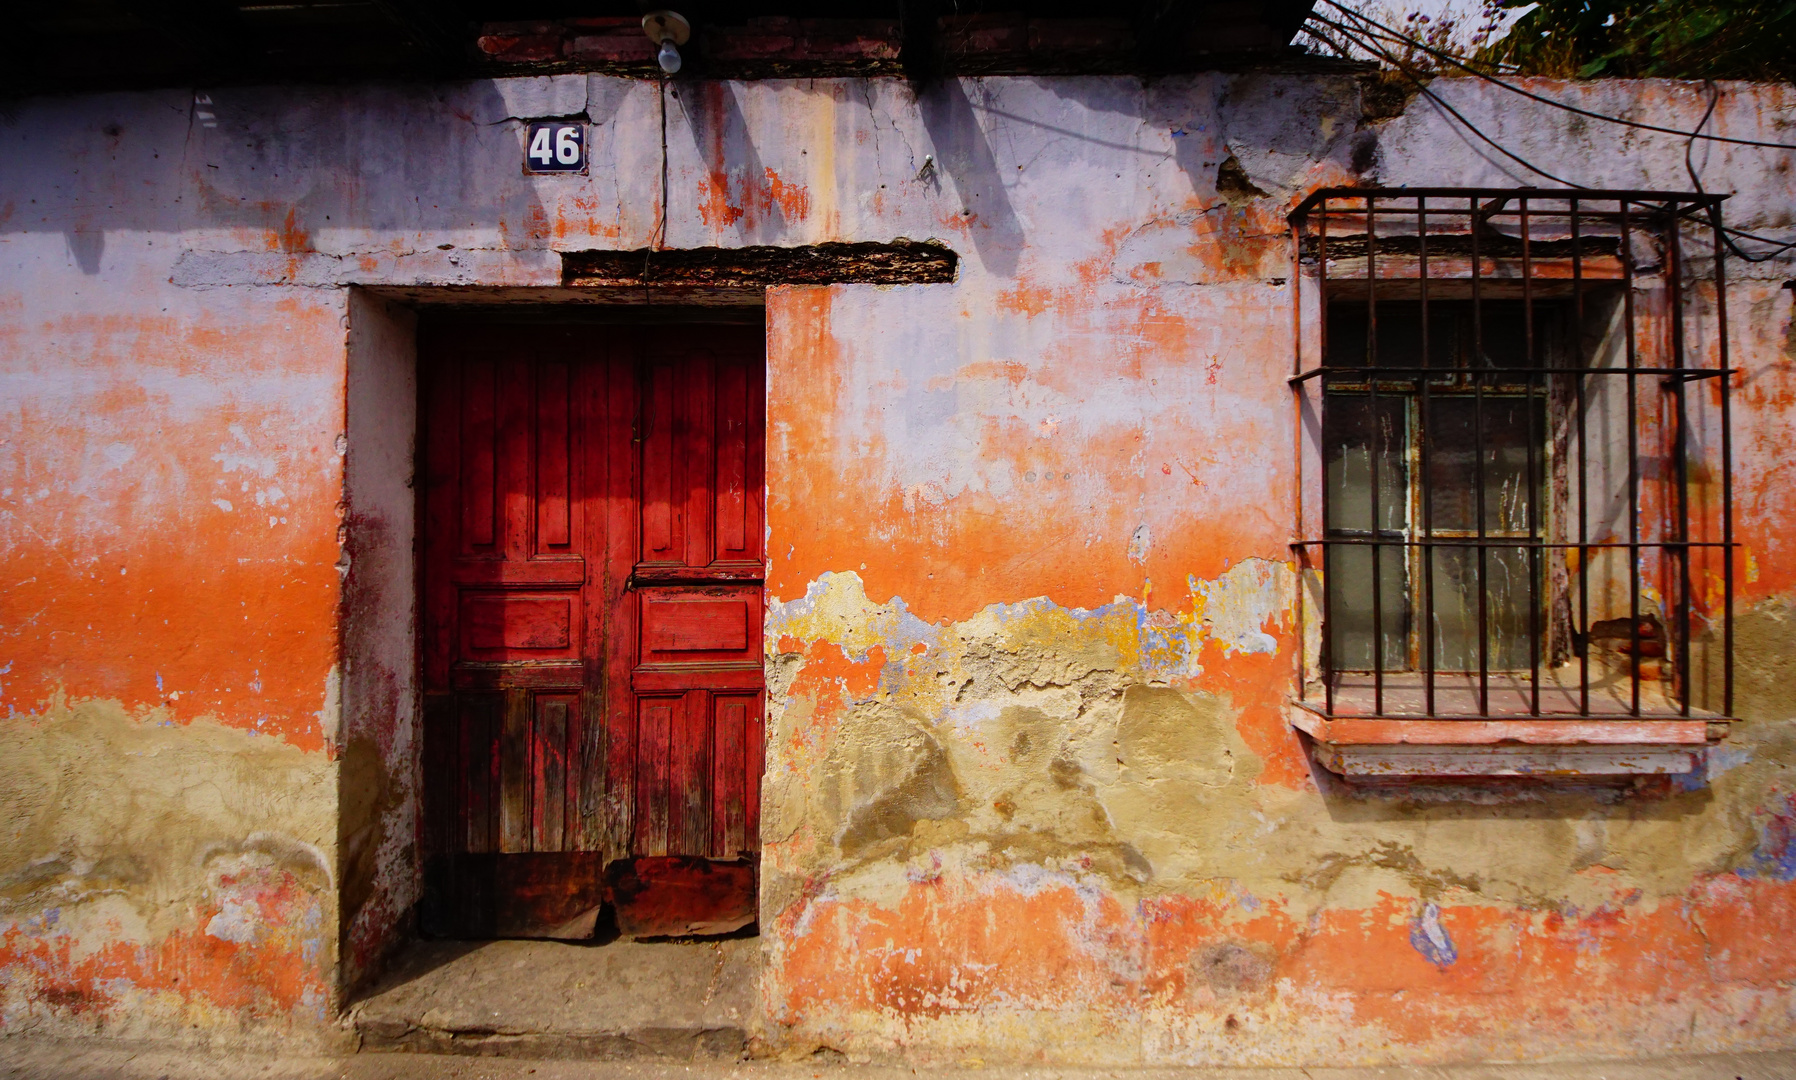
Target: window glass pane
[
  {"x": 1503, "y": 334},
  {"x": 1399, "y": 334},
  {"x": 1456, "y": 436},
  {"x": 1362, "y": 430},
  {"x": 1359, "y": 425},
  {"x": 1350, "y": 614},
  {"x": 1507, "y": 599},
  {"x": 1472, "y": 440},
  {"x": 1346, "y": 336}
]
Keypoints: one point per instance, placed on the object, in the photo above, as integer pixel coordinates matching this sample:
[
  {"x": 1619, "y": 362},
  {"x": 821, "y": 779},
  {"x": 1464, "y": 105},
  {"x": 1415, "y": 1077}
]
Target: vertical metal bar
[
  {"x": 1627, "y": 279},
  {"x": 1727, "y": 471},
  {"x": 1583, "y": 459},
  {"x": 1674, "y": 272},
  {"x": 1477, "y": 366},
  {"x": 1533, "y": 488},
  {"x": 1427, "y": 621},
  {"x": 1328, "y": 582},
  {"x": 1377, "y": 548},
  {"x": 1300, "y": 554}
]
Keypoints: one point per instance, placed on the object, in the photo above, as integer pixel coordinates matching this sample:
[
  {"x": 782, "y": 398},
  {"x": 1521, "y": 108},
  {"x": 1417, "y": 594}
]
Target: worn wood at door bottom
[
  {"x": 680, "y": 896},
  {"x": 555, "y": 894},
  {"x": 560, "y": 895}
]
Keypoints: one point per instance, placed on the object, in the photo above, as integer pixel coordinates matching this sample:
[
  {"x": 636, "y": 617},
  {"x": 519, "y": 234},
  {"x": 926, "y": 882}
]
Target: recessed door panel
[
  {"x": 504, "y": 625},
  {"x": 692, "y": 625}
]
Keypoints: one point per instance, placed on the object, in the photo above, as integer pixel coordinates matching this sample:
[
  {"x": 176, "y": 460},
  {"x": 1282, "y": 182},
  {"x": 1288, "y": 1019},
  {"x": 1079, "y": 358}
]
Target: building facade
[{"x": 1028, "y": 762}]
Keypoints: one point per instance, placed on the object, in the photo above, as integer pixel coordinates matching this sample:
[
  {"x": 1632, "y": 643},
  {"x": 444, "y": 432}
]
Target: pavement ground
[
  {"x": 31, "y": 1059},
  {"x": 670, "y": 1010}
]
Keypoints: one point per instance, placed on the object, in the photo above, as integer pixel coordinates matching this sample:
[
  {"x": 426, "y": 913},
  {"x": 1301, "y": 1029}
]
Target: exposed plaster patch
[
  {"x": 237, "y": 920},
  {"x": 1139, "y": 542},
  {"x": 1075, "y": 784},
  {"x": 1428, "y": 937},
  {"x": 835, "y": 608},
  {"x": 541, "y": 97},
  {"x": 1022, "y": 732},
  {"x": 128, "y": 841},
  {"x": 1234, "y": 609}
]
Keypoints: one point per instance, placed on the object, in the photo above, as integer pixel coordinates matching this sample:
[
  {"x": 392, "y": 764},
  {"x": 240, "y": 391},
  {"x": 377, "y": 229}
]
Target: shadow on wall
[
  {"x": 966, "y": 156},
  {"x": 276, "y": 170},
  {"x": 1213, "y": 118},
  {"x": 86, "y": 245},
  {"x": 1662, "y": 799}
]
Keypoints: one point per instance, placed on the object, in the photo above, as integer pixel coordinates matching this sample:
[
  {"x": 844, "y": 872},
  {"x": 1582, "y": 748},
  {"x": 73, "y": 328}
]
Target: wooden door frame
[{"x": 377, "y": 741}]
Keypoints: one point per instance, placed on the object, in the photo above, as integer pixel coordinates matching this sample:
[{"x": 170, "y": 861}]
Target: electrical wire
[
  {"x": 1780, "y": 246},
  {"x": 658, "y": 237},
  {"x": 1358, "y": 37},
  {"x": 1463, "y": 66},
  {"x": 1408, "y": 73},
  {"x": 661, "y": 230}
]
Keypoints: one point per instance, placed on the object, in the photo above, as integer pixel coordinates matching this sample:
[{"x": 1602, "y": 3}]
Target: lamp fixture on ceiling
[{"x": 669, "y": 30}]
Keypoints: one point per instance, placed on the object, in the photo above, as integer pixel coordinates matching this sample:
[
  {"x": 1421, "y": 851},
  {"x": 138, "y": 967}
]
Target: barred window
[{"x": 1514, "y": 497}]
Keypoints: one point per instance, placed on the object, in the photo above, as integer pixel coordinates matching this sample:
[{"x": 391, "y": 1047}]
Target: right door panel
[{"x": 697, "y": 600}]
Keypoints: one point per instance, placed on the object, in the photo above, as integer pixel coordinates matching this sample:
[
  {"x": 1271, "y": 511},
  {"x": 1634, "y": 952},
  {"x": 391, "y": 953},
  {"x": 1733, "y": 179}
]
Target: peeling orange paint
[
  {"x": 270, "y": 972},
  {"x": 725, "y": 201},
  {"x": 1517, "y": 979},
  {"x": 953, "y": 552},
  {"x": 199, "y": 575}
]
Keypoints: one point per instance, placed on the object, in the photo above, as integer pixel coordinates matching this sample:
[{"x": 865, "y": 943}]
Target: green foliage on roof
[{"x": 1688, "y": 39}]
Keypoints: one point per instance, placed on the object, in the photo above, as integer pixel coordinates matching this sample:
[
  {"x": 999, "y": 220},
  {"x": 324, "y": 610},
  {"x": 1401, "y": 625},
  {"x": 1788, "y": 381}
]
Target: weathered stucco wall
[
  {"x": 1032, "y": 794},
  {"x": 169, "y": 474},
  {"x": 1030, "y": 790}
]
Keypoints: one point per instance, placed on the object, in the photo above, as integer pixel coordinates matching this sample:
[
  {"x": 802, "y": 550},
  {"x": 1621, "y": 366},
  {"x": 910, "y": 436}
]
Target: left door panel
[{"x": 516, "y": 479}]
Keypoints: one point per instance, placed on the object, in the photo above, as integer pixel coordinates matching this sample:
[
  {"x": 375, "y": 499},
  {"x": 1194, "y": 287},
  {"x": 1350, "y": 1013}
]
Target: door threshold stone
[{"x": 624, "y": 1000}]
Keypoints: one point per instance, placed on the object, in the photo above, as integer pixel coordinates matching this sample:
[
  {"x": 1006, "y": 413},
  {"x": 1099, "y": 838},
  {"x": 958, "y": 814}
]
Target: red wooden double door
[{"x": 593, "y": 566}]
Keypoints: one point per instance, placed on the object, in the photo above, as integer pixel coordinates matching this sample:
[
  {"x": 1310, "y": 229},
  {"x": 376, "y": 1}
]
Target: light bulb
[{"x": 668, "y": 57}]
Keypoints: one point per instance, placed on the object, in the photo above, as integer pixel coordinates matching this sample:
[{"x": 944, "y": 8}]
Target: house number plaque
[{"x": 555, "y": 147}]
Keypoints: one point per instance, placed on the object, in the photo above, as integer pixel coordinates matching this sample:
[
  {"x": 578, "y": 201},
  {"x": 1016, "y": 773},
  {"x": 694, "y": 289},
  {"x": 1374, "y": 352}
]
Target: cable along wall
[{"x": 1514, "y": 491}]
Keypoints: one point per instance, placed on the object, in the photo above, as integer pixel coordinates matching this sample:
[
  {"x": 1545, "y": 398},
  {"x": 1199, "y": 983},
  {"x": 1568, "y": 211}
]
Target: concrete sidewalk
[
  {"x": 29, "y": 1059},
  {"x": 680, "y": 1001}
]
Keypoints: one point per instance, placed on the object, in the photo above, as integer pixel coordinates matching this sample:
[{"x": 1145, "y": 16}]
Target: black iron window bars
[{"x": 1514, "y": 494}]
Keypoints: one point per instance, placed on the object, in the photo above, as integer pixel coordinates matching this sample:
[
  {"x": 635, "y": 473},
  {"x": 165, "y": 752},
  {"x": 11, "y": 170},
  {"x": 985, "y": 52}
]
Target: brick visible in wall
[
  {"x": 763, "y": 48},
  {"x": 609, "y": 41},
  {"x": 860, "y": 42},
  {"x": 518, "y": 43},
  {"x": 1009, "y": 43}
]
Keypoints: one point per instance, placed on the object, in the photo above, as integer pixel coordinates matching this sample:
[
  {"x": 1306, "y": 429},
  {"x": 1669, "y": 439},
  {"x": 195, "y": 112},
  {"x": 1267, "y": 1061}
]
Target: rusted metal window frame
[{"x": 1525, "y": 229}]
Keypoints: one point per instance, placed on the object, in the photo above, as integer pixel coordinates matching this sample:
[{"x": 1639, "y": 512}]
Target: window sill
[{"x": 1384, "y": 748}]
